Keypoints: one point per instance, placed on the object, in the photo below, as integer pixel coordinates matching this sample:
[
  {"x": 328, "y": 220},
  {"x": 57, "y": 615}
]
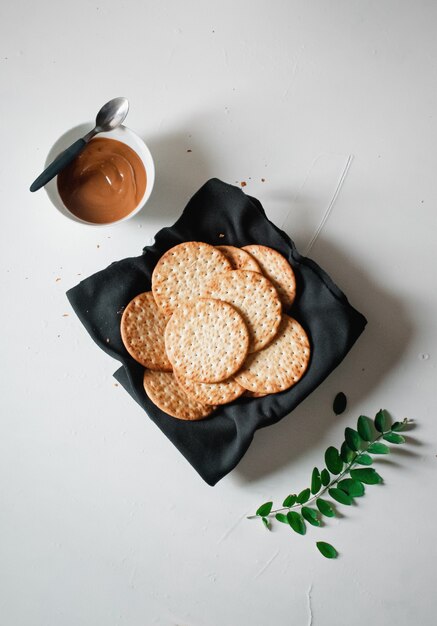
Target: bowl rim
[{"x": 121, "y": 133}]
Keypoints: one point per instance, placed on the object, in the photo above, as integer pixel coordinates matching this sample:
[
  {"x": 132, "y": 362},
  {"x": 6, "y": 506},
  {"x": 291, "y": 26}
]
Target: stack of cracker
[{"x": 213, "y": 328}]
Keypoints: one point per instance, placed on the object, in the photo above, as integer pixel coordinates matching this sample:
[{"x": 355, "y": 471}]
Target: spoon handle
[{"x": 58, "y": 164}]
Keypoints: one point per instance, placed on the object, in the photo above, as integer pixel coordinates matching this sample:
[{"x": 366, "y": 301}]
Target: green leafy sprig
[{"x": 344, "y": 478}]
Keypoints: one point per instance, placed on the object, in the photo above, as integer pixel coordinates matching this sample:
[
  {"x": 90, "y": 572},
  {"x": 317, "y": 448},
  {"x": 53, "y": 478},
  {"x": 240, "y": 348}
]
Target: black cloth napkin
[{"x": 220, "y": 214}]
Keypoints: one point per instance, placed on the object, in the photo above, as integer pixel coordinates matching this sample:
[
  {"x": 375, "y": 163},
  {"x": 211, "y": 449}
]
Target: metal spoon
[{"x": 111, "y": 115}]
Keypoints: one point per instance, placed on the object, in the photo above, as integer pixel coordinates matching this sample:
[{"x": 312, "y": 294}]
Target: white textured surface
[{"x": 102, "y": 522}]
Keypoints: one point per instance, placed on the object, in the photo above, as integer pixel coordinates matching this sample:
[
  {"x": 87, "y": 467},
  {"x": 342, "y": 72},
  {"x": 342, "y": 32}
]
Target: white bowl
[{"x": 123, "y": 134}]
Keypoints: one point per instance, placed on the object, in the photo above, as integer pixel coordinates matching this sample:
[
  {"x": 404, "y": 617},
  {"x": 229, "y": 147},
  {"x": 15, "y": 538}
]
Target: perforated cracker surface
[
  {"x": 255, "y": 298},
  {"x": 206, "y": 340},
  {"x": 164, "y": 391},
  {"x": 277, "y": 269},
  {"x": 211, "y": 393},
  {"x": 239, "y": 258},
  {"x": 182, "y": 271},
  {"x": 281, "y": 364},
  {"x": 142, "y": 330}
]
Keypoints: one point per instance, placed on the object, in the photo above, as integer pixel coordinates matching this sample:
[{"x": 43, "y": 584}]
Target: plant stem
[{"x": 325, "y": 489}]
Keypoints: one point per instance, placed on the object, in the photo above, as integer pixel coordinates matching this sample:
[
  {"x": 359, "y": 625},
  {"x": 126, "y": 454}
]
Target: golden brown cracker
[
  {"x": 164, "y": 391},
  {"x": 255, "y": 298},
  {"x": 254, "y": 394},
  {"x": 142, "y": 329},
  {"x": 277, "y": 269},
  {"x": 240, "y": 259},
  {"x": 181, "y": 273},
  {"x": 281, "y": 364},
  {"x": 211, "y": 393},
  {"x": 206, "y": 340}
]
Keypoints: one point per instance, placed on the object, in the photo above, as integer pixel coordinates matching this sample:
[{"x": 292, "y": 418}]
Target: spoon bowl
[{"x": 111, "y": 115}]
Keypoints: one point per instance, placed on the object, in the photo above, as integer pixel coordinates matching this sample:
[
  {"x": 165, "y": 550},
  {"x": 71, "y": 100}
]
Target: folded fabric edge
[{"x": 310, "y": 263}]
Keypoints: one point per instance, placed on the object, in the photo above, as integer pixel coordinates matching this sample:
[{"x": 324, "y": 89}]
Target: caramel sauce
[{"x": 104, "y": 183}]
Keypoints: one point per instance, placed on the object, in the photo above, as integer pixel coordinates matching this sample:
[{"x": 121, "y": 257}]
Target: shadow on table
[
  {"x": 380, "y": 347},
  {"x": 181, "y": 169}
]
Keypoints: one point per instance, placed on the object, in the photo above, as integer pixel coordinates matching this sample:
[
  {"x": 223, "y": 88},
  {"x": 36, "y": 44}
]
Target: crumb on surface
[
  {"x": 263, "y": 180},
  {"x": 57, "y": 280},
  {"x": 243, "y": 183},
  {"x": 221, "y": 235},
  {"x": 65, "y": 315},
  {"x": 189, "y": 151}
]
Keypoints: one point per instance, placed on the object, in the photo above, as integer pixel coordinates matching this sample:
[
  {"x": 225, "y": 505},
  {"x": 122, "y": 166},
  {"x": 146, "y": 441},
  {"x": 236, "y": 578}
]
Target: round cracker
[
  {"x": 281, "y": 364},
  {"x": 182, "y": 271},
  {"x": 211, "y": 393},
  {"x": 239, "y": 259},
  {"x": 253, "y": 296},
  {"x": 206, "y": 340},
  {"x": 142, "y": 330},
  {"x": 254, "y": 394},
  {"x": 164, "y": 391},
  {"x": 278, "y": 271}
]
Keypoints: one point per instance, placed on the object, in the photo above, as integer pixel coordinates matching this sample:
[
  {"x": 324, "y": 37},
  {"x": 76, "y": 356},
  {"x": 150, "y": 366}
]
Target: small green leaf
[
  {"x": 340, "y": 496},
  {"x": 352, "y": 487},
  {"x": 393, "y": 438},
  {"x": 352, "y": 438},
  {"x": 382, "y": 421},
  {"x": 366, "y": 475},
  {"x": 325, "y": 477},
  {"x": 310, "y": 515},
  {"x": 365, "y": 428},
  {"x": 290, "y": 500},
  {"x": 378, "y": 448},
  {"x": 296, "y": 522},
  {"x": 266, "y": 523},
  {"x": 316, "y": 483},
  {"x": 327, "y": 550},
  {"x": 325, "y": 507},
  {"x": 364, "y": 459},
  {"x": 304, "y": 496},
  {"x": 397, "y": 426},
  {"x": 346, "y": 453},
  {"x": 339, "y": 404},
  {"x": 264, "y": 509},
  {"x": 281, "y": 518},
  {"x": 333, "y": 460}
]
